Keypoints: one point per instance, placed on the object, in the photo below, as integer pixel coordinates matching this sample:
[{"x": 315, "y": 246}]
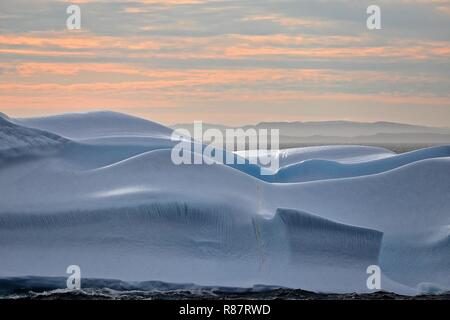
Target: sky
[{"x": 228, "y": 61}]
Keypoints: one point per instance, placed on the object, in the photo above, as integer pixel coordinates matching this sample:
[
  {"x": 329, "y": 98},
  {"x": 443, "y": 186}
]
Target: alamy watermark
[
  {"x": 374, "y": 20},
  {"x": 73, "y": 21},
  {"x": 263, "y": 144},
  {"x": 374, "y": 280},
  {"x": 73, "y": 282}
]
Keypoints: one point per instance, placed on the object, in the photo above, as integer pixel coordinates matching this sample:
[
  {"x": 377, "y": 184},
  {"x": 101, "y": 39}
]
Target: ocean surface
[{"x": 54, "y": 288}]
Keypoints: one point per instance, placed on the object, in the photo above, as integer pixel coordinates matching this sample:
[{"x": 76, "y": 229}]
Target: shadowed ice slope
[
  {"x": 17, "y": 142},
  {"x": 317, "y": 169}
]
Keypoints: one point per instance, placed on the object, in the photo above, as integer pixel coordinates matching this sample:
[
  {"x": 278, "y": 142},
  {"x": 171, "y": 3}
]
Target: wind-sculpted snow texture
[{"x": 99, "y": 190}]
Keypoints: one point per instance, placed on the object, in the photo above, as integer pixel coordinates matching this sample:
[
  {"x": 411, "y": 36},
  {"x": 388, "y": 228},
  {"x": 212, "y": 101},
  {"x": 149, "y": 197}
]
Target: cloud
[{"x": 252, "y": 55}]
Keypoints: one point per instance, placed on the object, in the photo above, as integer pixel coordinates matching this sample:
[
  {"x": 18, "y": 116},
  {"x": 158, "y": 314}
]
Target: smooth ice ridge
[
  {"x": 96, "y": 124},
  {"x": 318, "y": 169},
  {"x": 338, "y": 153}
]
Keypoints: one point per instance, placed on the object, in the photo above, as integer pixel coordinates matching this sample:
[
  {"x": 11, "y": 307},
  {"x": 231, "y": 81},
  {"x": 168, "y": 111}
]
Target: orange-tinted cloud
[{"x": 214, "y": 47}]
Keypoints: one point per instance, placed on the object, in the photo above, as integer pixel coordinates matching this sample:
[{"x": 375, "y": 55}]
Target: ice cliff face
[{"x": 119, "y": 208}]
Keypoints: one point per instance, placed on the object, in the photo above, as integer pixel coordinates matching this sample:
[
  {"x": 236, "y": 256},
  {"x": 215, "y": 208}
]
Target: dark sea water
[{"x": 54, "y": 288}]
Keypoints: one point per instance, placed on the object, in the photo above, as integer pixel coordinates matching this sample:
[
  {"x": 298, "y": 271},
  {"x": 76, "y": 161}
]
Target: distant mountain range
[{"x": 345, "y": 132}]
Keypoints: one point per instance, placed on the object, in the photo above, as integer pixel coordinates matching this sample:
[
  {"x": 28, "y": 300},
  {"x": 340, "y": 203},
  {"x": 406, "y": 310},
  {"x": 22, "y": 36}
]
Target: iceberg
[{"x": 99, "y": 190}]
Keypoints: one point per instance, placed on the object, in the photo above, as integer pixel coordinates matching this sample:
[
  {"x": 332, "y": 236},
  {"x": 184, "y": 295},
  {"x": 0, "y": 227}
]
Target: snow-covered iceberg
[{"x": 99, "y": 190}]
